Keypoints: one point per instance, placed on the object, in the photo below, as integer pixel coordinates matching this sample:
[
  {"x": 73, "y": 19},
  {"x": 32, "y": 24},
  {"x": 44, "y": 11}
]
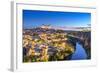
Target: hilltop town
[{"x": 42, "y": 44}]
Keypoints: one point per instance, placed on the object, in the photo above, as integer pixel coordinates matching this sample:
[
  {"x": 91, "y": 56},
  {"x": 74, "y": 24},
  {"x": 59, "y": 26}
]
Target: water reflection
[{"x": 79, "y": 53}]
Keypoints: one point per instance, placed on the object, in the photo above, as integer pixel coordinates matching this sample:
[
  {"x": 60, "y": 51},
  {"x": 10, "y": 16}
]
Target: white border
[
  {"x": 76, "y": 3},
  {"x": 17, "y": 46}
]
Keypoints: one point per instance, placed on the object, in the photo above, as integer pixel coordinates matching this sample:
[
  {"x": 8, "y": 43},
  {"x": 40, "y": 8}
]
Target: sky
[{"x": 35, "y": 18}]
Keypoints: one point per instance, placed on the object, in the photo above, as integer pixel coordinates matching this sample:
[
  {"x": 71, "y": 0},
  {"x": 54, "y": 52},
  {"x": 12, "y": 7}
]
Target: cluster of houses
[{"x": 39, "y": 44}]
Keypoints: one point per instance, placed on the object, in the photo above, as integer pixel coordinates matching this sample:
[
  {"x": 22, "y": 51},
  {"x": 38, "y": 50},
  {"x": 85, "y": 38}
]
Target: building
[{"x": 44, "y": 26}]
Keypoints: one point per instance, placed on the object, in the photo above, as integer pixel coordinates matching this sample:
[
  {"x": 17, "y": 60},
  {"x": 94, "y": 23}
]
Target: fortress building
[{"x": 46, "y": 26}]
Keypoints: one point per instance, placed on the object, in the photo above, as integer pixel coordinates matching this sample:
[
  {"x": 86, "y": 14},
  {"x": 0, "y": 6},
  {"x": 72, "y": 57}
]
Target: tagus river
[{"x": 79, "y": 53}]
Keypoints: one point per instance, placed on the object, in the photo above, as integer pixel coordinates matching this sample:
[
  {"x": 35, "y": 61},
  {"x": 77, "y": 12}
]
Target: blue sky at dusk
[{"x": 34, "y": 18}]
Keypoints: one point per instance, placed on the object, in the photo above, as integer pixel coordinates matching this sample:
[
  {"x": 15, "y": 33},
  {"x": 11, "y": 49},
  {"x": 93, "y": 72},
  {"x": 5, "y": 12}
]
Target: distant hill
[{"x": 64, "y": 28}]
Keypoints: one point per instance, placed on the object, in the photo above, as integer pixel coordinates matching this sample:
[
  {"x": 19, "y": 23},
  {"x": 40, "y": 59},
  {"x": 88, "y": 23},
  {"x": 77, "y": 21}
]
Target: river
[{"x": 79, "y": 53}]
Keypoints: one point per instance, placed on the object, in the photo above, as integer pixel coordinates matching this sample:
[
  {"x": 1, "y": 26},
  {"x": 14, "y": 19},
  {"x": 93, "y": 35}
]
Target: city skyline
[{"x": 35, "y": 18}]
